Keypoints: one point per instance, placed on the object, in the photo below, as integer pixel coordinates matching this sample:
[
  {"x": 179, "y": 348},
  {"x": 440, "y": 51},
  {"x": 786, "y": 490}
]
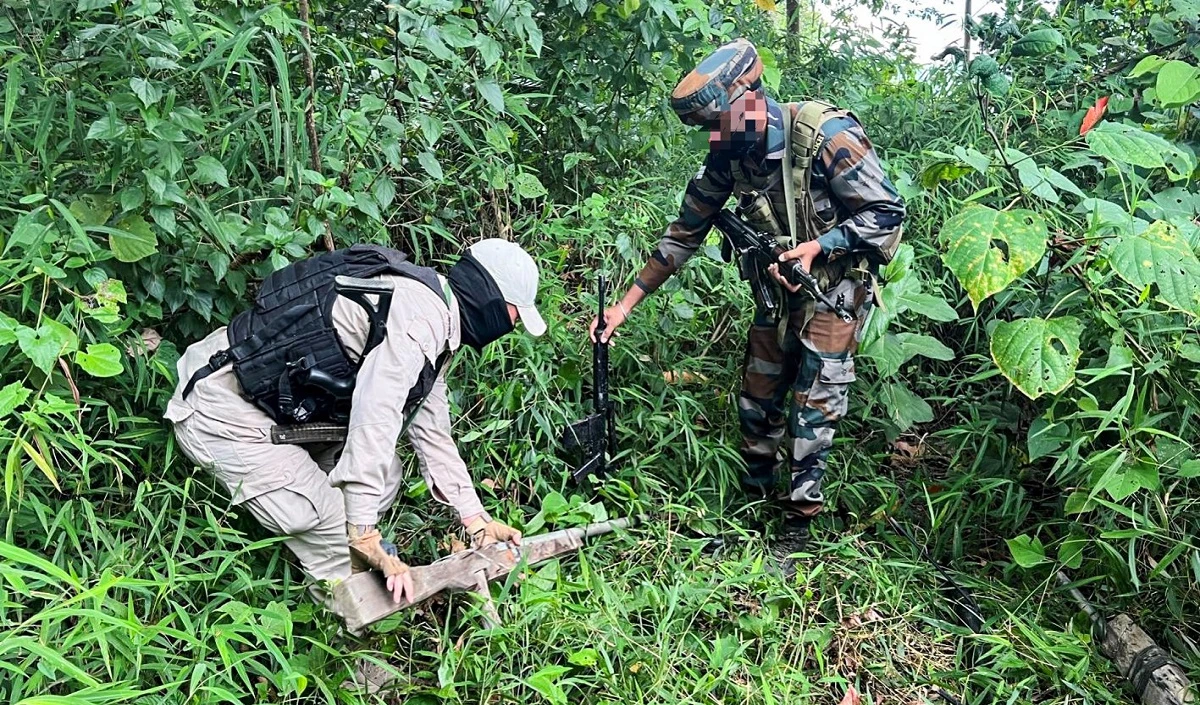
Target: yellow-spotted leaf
[
  {"x": 1038, "y": 355},
  {"x": 1161, "y": 256},
  {"x": 988, "y": 249}
]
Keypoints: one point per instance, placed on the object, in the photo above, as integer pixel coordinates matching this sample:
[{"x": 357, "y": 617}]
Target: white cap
[{"x": 515, "y": 274}]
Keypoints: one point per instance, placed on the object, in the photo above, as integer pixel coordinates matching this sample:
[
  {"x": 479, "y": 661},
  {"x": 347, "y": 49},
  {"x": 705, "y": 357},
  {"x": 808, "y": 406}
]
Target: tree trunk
[
  {"x": 792, "y": 24},
  {"x": 966, "y": 32},
  {"x": 310, "y": 123}
]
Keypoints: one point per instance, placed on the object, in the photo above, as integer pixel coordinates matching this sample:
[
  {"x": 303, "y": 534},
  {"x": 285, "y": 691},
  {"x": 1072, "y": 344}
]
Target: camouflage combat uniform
[{"x": 859, "y": 213}]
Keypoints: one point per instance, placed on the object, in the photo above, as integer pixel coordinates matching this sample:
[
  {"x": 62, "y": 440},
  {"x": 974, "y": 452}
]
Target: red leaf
[
  {"x": 852, "y": 697},
  {"x": 1093, "y": 115}
]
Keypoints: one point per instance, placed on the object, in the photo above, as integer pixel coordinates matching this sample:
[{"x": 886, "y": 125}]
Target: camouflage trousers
[{"x": 814, "y": 363}]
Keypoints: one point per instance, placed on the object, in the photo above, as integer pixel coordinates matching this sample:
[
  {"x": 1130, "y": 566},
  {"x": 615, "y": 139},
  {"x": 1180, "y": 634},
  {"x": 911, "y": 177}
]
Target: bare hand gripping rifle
[
  {"x": 594, "y": 436},
  {"x": 756, "y": 251},
  {"x": 363, "y": 598}
]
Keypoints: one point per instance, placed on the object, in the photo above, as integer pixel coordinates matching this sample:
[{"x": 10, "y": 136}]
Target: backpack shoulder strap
[
  {"x": 806, "y": 142},
  {"x": 806, "y": 132}
]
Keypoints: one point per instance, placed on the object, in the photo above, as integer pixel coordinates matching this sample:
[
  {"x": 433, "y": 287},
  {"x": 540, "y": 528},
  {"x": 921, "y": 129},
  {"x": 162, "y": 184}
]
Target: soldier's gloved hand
[
  {"x": 614, "y": 316},
  {"x": 485, "y": 531},
  {"x": 369, "y": 550}
]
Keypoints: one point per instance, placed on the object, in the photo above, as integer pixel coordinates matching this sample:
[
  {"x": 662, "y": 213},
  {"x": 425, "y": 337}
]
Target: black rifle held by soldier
[
  {"x": 594, "y": 436},
  {"x": 756, "y": 251}
]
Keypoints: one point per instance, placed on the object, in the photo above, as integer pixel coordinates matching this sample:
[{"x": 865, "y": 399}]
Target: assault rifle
[
  {"x": 756, "y": 251},
  {"x": 1155, "y": 676},
  {"x": 594, "y": 435},
  {"x": 363, "y": 598}
]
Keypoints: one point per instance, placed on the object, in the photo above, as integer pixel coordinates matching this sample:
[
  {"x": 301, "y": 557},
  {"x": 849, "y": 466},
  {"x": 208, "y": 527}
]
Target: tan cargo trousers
[{"x": 299, "y": 504}]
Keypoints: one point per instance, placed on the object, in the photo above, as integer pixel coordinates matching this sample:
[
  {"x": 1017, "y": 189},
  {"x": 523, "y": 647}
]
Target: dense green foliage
[{"x": 1025, "y": 395}]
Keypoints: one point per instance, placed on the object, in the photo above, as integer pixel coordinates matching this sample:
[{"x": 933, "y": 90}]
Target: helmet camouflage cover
[{"x": 720, "y": 79}]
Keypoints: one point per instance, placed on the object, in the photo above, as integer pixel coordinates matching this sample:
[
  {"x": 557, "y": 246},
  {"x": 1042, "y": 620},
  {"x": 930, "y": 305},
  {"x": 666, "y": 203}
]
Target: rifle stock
[{"x": 363, "y": 598}]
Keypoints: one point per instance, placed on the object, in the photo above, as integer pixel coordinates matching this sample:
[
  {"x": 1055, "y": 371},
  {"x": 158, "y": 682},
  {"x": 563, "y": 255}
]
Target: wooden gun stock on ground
[
  {"x": 1155, "y": 676},
  {"x": 363, "y": 598}
]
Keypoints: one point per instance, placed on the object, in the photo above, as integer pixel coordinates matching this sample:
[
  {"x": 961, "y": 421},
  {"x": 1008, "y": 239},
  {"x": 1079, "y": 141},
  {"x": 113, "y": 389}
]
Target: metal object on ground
[
  {"x": 594, "y": 437},
  {"x": 363, "y": 598},
  {"x": 1156, "y": 678}
]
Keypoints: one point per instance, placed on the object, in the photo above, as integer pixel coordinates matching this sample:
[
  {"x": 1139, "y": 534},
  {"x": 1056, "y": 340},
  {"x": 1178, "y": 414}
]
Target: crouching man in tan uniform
[{"x": 362, "y": 337}]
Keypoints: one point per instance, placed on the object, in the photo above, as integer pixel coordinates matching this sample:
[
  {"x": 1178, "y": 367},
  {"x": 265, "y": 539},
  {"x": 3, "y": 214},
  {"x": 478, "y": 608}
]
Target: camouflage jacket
[{"x": 848, "y": 187}]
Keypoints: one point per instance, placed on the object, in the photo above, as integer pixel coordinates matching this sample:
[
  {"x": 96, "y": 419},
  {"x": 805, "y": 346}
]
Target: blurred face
[
  {"x": 741, "y": 127},
  {"x": 512, "y": 313}
]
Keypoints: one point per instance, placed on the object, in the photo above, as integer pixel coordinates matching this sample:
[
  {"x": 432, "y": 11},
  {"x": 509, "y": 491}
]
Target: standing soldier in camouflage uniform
[{"x": 807, "y": 174}]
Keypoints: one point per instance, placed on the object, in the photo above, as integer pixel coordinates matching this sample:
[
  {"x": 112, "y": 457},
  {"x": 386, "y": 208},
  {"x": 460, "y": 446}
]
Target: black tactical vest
[{"x": 286, "y": 353}]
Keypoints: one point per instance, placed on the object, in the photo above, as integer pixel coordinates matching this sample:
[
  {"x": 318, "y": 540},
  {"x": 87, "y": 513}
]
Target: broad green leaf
[
  {"x": 91, "y": 210},
  {"x": 1103, "y": 214},
  {"x": 528, "y": 186},
  {"x": 1038, "y": 42},
  {"x": 132, "y": 197},
  {"x": 132, "y": 239},
  {"x": 1159, "y": 256},
  {"x": 1070, "y": 551},
  {"x": 904, "y": 408},
  {"x": 997, "y": 84},
  {"x": 1150, "y": 64},
  {"x": 164, "y": 218},
  {"x": 938, "y": 172},
  {"x": 148, "y": 92},
  {"x": 1026, "y": 551},
  {"x": 1125, "y": 144},
  {"x": 983, "y": 66},
  {"x": 101, "y": 360},
  {"x": 209, "y": 170},
  {"x": 170, "y": 157},
  {"x": 1032, "y": 179},
  {"x": 1059, "y": 181},
  {"x": 431, "y": 39},
  {"x": 162, "y": 63},
  {"x": 1037, "y": 355},
  {"x": 107, "y": 129},
  {"x": 188, "y": 119},
  {"x": 491, "y": 92},
  {"x": 1178, "y": 84},
  {"x": 419, "y": 68},
  {"x": 384, "y": 191},
  {"x": 489, "y": 49},
  {"x": 893, "y": 350},
  {"x": 1188, "y": 469},
  {"x": 978, "y": 160},
  {"x": 45, "y": 345},
  {"x": 86, "y": 5},
  {"x": 1175, "y": 203},
  {"x": 28, "y": 233},
  {"x": 12, "y": 396},
  {"x": 8, "y": 329},
  {"x": 1127, "y": 480},
  {"x": 430, "y": 164},
  {"x": 365, "y": 203},
  {"x": 928, "y": 305},
  {"x": 988, "y": 249},
  {"x": 431, "y": 128},
  {"x": 1045, "y": 438},
  {"x": 584, "y": 657}
]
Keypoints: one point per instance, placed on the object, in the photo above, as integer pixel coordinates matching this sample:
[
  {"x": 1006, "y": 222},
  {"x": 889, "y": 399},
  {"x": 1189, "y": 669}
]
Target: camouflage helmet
[{"x": 720, "y": 79}]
